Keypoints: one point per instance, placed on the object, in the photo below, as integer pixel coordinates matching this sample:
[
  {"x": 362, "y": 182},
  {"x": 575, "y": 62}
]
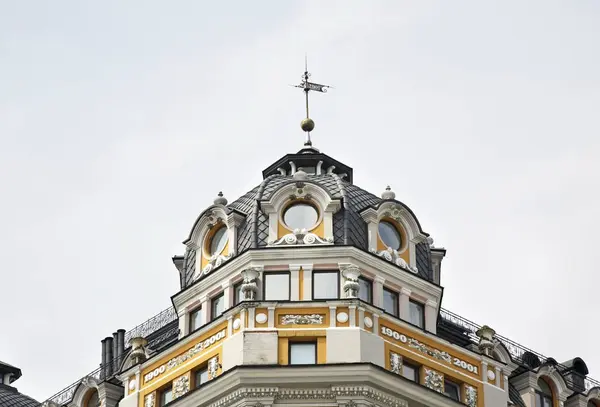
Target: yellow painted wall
[
  {"x": 301, "y": 284},
  {"x": 433, "y": 344}
]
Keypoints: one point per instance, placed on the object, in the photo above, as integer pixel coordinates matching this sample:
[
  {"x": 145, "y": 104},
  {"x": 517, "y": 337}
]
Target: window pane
[
  {"x": 196, "y": 320},
  {"x": 303, "y": 353},
  {"x": 201, "y": 377},
  {"x": 390, "y": 302},
  {"x": 277, "y": 287},
  {"x": 389, "y": 235},
  {"x": 218, "y": 241},
  {"x": 166, "y": 396},
  {"x": 416, "y": 313},
  {"x": 218, "y": 306},
  {"x": 325, "y": 285},
  {"x": 301, "y": 216},
  {"x": 410, "y": 372},
  {"x": 93, "y": 401},
  {"x": 237, "y": 294},
  {"x": 451, "y": 390},
  {"x": 365, "y": 290}
]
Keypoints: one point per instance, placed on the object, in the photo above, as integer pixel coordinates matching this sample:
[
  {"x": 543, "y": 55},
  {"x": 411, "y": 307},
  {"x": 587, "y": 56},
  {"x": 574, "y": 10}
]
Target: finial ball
[{"x": 307, "y": 124}]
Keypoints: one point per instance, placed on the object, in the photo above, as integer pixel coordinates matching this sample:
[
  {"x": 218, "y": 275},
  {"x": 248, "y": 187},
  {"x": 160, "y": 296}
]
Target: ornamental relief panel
[
  {"x": 181, "y": 386},
  {"x": 470, "y": 396},
  {"x": 434, "y": 380},
  {"x": 312, "y": 319}
]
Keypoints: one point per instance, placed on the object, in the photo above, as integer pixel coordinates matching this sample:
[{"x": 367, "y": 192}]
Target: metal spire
[{"x": 308, "y": 124}]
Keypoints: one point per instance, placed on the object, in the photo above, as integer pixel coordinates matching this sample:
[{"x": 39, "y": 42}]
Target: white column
[
  {"x": 361, "y": 318},
  {"x": 295, "y": 282},
  {"x": 205, "y": 309},
  {"x": 498, "y": 378},
  {"x": 376, "y": 324},
  {"x": 251, "y": 316},
  {"x": 307, "y": 285},
  {"x": 183, "y": 323},
  {"x": 378, "y": 291},
  {"x": 227, "y": 297},
  {"x": 328, "y": 224},
  {"x": 229, "y": 326},
  {"x": 352, "y": 312},
  {"x": 484, "y": 370},
  {"x": 403, "y": 301},
  {"x": 332, "y": 316},
  {"x": 271, "y": 317},
  {"x": 243, "y": 319},
  {"x": 431, "y": 313}
]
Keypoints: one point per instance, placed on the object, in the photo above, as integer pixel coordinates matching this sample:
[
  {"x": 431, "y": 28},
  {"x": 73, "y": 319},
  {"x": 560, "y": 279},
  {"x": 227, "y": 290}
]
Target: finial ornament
[
  {"x": 308, "y": 124},
  {"x": 388, "y": 193},
  {"x": 220, "y": 199}
]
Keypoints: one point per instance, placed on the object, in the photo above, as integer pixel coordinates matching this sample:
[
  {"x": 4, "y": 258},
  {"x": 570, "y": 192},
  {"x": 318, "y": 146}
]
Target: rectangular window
[
  {"x": 452, "y": 390},
  {"x": 326, "y": 285},
  {"x": 196, "y": 319},
  {"x": 166, "y": 395},
  {"x": 237, "y": 293},
  {"x": 217, "y": 306},
  {"x": 365, "y": 292},
  {"x": 276, "y": 286},
  {"x": 390, "y": 302},
  {"x": 410, "y": 372},
  {"x": 417, "y": 313},
  {"x": 201, "y": 376},
  {"x": 303, "y": 353}
]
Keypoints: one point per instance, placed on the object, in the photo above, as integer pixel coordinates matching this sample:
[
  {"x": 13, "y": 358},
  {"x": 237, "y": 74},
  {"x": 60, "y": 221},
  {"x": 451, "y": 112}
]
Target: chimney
[
  {"x": 103, "y": 360},
  {"x": 109, "y": 356},
  {"x": 115, "y": 364},
  {"x": 120, "y": 344}
]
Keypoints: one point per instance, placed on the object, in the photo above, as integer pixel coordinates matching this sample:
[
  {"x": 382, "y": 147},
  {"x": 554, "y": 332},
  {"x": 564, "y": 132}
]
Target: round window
[
  {"x": 218, "y": 241},
  {"x": 301, "y": 216},
  {"x": 390, "y": 235}
]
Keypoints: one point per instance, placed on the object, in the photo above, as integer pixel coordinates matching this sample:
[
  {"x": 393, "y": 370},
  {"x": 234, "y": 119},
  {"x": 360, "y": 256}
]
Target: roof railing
[
  {"x": 516, "y": 351},
  {"x": 144, "y": 329}
]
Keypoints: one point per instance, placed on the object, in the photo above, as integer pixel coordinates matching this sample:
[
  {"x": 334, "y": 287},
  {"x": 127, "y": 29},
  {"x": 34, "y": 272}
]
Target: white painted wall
[
  {"x": 494, "y": 396},
  {"x": 260, "y": 348},
  {"x": 232, "y": 351}
]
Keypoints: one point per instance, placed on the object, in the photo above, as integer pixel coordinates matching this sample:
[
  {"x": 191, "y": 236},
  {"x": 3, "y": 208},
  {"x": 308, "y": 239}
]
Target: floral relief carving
[
  {"x": 435, "y": 353},
  {"x": 392, "y": 256},
  {"x": 434, "y": 380},
  {"x": 181, "y": 385},
  {"x": 395, "y": 363},
  {"x": 300, "y": 237},
  {"x": 470, "y": 396},
  {"x": 213, "y": 367},
  {"x": 149, "y": 400},
  {"x": 312, "y": 319}
]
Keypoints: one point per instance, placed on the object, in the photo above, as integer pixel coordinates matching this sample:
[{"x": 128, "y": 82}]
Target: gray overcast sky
[{"x": 120, "y": 121}]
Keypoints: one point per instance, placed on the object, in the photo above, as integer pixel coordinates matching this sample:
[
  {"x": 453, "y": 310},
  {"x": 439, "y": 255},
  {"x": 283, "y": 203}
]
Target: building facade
[{"x": 310, "y": 291}]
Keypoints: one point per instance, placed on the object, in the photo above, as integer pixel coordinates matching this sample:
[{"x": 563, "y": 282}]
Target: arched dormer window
[
  {"x": 543, "y": 394},
  {"x": 93, "y": 399}
]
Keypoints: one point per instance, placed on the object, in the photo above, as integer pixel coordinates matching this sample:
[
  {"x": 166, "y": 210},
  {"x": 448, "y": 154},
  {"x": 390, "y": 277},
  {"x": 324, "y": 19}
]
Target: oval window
[
  {"x": 218, "y": 241},
  {"x": 301, "y": 216},
  {"x": 390, "y": 235}
]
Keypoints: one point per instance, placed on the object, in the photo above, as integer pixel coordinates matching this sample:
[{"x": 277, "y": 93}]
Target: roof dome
[
  {"x": 309, "y": 166},
  {"x": 10, "y": 397}
]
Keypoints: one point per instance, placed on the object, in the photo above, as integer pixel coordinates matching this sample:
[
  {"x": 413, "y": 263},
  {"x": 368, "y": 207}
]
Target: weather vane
[{"x": 308, "y": 124}]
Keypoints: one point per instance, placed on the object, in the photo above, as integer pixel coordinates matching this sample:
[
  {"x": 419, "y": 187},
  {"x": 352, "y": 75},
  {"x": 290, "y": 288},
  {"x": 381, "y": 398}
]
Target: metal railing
[
  {"x": 516, "y": 351},
  {"x": 144, "y": 329}
]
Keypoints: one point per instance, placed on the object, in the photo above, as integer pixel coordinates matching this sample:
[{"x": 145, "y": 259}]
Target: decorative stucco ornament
[
  {"x": 213, "y": 367},
  {"x": 215, "y": 261},
  {"x": 312, "y": 319},
  {"x": 395, "y": 363},
  {"x": 300, "y": 175},
  {"x": 181, "y": 385},
  {"x": 486, "y": 339},
  {"x": 368, "y": 322},
  {"x": 388, "y": 194},
  {"x": 392, "y": 256},
  {"x": 470, "y": 396},
  {"x": 342, "y": 317},
  {"x": 261, "y": 318},
  {"x": 220, "y": 199},
  {"x": 301, "y": 237},
  {"x": 149, "y": 400},
  {"x": 434, "y": 380},
  {"x": 491, "y": 375},
  {"x": 351, "y": 273},
  {"x": 435, "y": 353},
  {"x": 138, "y": 349},
  {"x": 237, "y": 323},
  {"x": 249, "y": 284}
]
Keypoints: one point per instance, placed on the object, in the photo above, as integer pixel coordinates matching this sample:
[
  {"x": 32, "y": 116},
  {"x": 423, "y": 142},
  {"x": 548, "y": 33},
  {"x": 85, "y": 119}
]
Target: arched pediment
[
  {"x": 549, "y": 372},
  {"x": 209, "y": 218},
  {"x": 299, "y": 190},
  {"x": 87, "y": 385},
  {"x": 399, "y": 212},
  {"x": 501, "y": 353},
  {"x": 594, "y": 395}
]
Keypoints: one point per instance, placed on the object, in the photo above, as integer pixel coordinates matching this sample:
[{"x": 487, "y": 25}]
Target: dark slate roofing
[
  {"x": 514, "y": 396},
  {"x": 10, "y": 397},
  {"x": 349, "y": 228}
]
